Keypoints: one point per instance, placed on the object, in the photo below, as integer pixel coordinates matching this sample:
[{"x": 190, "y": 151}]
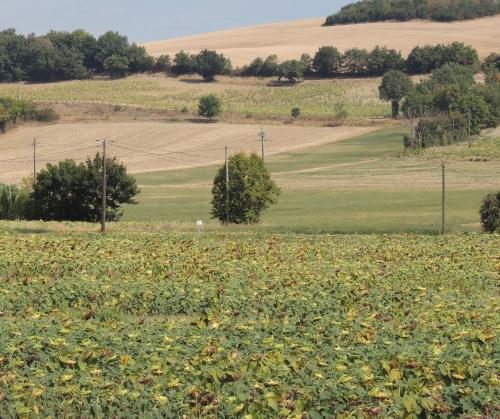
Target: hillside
[
  {"x": 152, "y": 146},
  {"x": 291, "y": 39}
]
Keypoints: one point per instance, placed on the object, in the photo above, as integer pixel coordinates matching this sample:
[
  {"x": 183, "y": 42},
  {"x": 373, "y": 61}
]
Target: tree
[
  {"x": 356, "y": 61},
  {"x": 116, "y": 66},
  {"x": 184, "y": 63},
  {"x": 73, "y": 192},
  {"x": 327, "y": 61},
  {"x": 251, "y": 190},
  {"x": 395, "y": 86},
  {"x": 138, "y": 59},
  {"x": 210, "y": 64},
  {"x": 490, "y": 212},
  {"x": 209, "y": 106},
  {"x": 292, "y": 70},
  {"x": 109, "y": 44},
  {"x": 382, "y": 59},
  {"x": 296, "y": 113},
  {"x": 270, "y": 66},
  {"x": 163, "y": 64}
]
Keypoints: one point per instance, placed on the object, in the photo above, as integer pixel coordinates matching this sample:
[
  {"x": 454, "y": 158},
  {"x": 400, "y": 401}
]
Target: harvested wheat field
[
  {"x": 152, "y": 146},
  {"x": 291, "y": 39}
]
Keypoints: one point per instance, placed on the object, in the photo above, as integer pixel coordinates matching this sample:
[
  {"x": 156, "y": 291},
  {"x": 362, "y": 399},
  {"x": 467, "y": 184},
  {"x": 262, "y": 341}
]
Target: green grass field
[
  {"x": 248, "y": 325},
  {"x": 317, "y": 99},
  {"x": 361, "y": 185}
]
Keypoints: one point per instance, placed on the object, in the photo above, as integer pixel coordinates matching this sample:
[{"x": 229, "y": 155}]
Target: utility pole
[
  {"x": 227, "y": 185},
  {"x": 443, "y": 197},
  {"x": 104, "y": 184},
  {"x": 262, "y": 136},
  {"x": 34, "y": 161}
]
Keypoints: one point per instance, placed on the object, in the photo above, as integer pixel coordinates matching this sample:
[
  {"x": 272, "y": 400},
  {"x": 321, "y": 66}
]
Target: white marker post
[{"x": 199, "y": 226}]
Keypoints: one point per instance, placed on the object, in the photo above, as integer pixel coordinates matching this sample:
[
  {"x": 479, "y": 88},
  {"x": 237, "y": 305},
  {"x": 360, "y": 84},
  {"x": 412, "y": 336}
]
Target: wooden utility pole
[
  {"x": 227, "y": 184},
  {"x": 262, "y": 136},
  {"x": 104, "y": 191},
  {"x": 443, "y": 197},
  {"x": 34, "y": 161}
]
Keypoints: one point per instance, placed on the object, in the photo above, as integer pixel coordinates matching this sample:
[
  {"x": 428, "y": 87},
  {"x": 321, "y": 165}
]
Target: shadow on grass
[
  {"x": 201, "y": 121},
  {"x": 197, "y": 81},
  {"x": 27, "y": 230}
]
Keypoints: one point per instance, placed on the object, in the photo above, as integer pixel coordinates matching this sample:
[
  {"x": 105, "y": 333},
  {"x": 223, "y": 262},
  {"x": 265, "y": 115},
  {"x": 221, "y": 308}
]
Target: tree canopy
[
  {"x": 403, "y": 10},
  {"x": 73, "y": 192},
  {"x": 251, "y": 190}
]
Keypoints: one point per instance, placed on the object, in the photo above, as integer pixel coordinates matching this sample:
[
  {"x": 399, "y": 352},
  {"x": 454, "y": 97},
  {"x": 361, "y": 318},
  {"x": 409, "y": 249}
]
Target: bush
[
  {"x": 45, "y": 115},
  {"x": 441, "y": 130},
  {"x": 73, "y": 192},
  {"x": 296, "y": 113},
  {"x": 251, "y": 190},
  {"x": 12, "y": 111},
  {"x": 209, "y": 106},
  {"x": 490, "y": 212},
  {"x": 13, "y": 202}
]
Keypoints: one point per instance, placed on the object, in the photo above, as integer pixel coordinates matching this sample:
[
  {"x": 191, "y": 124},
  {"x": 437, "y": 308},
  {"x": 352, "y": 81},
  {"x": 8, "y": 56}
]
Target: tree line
[
  {"x": 328, "y": 62},
  {"x": 59, "y": 56},
  {"x": 68, "y": 56},
  {"x": 403, "y": 10}
]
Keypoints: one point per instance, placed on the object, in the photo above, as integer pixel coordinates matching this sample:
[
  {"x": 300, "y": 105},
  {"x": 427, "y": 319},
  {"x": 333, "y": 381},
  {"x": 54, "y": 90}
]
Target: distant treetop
[{"x": 403, "y": 10}]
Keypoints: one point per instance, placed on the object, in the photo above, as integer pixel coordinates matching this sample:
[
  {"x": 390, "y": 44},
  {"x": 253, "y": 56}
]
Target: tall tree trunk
[{"x": 395, "y": 108}]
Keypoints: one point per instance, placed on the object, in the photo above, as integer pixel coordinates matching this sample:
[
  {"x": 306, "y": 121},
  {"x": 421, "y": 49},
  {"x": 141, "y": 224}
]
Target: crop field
[
  {"x": 289, "y": 40},
  {"x": 358, "y": 185},
  {"x": 261, "y": 325},
  {"x": 152, "y": 146},
  {"x": 322, "y": 99}
]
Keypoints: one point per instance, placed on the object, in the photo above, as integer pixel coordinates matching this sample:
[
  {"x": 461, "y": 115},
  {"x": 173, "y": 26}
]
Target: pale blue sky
[{"x": 150, "y": 20}]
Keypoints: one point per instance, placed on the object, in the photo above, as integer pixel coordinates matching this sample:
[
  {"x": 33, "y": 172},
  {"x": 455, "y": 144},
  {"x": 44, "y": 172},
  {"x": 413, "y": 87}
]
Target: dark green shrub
[
  {"x": 296, "y": 112},
  {"x": 45, "y": 115},
  {"x": 209, "y": 106},
  {"x": 14, "y": 202},
  {"x": 490, "y": 212}
]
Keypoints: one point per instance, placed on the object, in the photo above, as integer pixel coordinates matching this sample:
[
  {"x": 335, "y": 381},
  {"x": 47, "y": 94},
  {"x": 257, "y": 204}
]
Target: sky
[{"x": 151, "y": 20}]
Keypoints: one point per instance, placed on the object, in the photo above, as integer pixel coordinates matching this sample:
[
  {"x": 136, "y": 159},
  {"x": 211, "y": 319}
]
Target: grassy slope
[
  {"x": 244, "y": 97},
  {"x": 358, "y": 185}
]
